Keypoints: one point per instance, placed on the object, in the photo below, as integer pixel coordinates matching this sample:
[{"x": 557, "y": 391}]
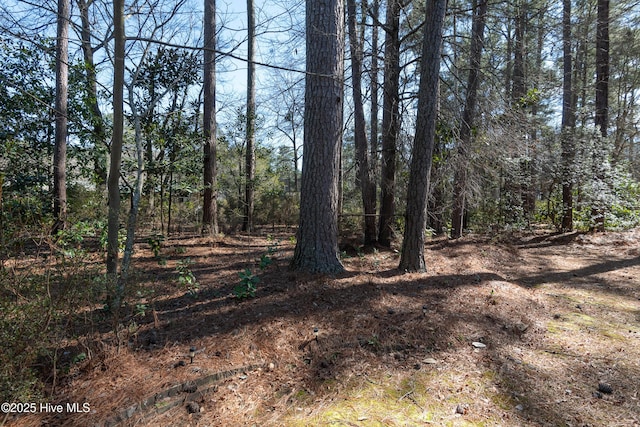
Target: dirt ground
[{"x": 531, "y": 329}]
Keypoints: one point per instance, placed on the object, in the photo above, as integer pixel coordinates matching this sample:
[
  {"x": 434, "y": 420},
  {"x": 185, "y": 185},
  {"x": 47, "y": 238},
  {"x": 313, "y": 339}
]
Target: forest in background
[
  {"x": 537, "y": 123},
  {"x": 513, "y": 161}
]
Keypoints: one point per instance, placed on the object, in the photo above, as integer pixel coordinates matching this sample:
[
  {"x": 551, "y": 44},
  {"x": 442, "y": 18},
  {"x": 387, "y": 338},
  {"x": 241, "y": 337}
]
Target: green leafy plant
[
  {"x": 247, "y": 287},
  {"x": 265, "y": 261},
  {"x": 141, "y": 309},
  {"x": 155, "y": 242},
  {"x": 186, "y": 278}
]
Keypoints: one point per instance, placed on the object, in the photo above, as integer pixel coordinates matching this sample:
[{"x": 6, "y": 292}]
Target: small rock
[
  {"x": 131, "y": 410},
  {"x": 597, "y": 394},
  {"x": 605, "y": 388},
  {"x": 271, "y": 367},
  {"x": 519, "y": 407},
  {"x": 190, "y": 387},
  {"x": 430, "y": 361},
  {"x": 193, "y": 408},
  {"x": 462, "y": 409},
  {"x": 179, "y": 364},
  {"x": 478, "y": 344}
]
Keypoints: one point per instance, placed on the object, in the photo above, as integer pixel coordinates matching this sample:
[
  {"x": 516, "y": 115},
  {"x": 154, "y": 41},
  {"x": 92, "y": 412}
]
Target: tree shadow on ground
[{"x": 385, "y": 318}]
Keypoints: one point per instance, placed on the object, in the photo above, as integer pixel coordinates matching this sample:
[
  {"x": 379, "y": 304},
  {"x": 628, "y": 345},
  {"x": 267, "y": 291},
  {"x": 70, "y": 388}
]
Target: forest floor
[{"x": 519, "y": 329}]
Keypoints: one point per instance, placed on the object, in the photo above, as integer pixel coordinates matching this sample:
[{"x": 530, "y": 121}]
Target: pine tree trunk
[
  {"x": 317, "y": 241},
  {"x": 568, "y": 122},
  {"x": 602, "y": 101},
  {"x": 250, "y": 155},
  {"x": 62, "y": 90},
  {"x": 209, "y": 206},
  {"x": 113, "y": 183},
  {"x": 362, "y": 154},
  {"x": 373, "y": 164},
  {"x": 390, "y": 123},
  {"x": 468, "y": 118},
  {"x": 418, "y": 190}
]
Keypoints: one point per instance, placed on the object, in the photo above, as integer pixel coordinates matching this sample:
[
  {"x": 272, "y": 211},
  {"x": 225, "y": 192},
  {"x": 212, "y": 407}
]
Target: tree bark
[
  {"x": 113, "y": 183},
  {"x": 317, "y": 241},
  {"x": 602, "y": 101},
  {"x": 373, "y": 119},
  {"x": 602, "y": 68},
  {"x": 412, "y": 258},
  {"x": 360, "y": 134},
  {"x": 390, "y": 123},
  {"x": 209, "y": 205},
  {"x": 250, "y": 155},
  {"x": 98, "y": 134},
  {"x": 62, "y": 95},
  {"x": 519, "y": 90},
  {"x": 468, "y": 118},
  {"x": 568, "y": 122}
]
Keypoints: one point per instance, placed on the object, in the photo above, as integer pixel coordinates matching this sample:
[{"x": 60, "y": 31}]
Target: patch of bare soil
[{"x": 516, "y": 330}]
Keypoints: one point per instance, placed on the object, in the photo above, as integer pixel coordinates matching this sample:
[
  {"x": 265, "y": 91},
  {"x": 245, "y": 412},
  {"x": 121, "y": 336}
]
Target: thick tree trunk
[
  {"x": 412, "y": 258},
  {"x": 390, "y": 123},
  {"x": 209, "y": 204},
  {"x": 250, "y": 155},
  {"x": 362, "y": 154},
  {"x": 317, "y": 243},
  {"x": 62, "y": 89},
  {"x": 468, "y": 118}
]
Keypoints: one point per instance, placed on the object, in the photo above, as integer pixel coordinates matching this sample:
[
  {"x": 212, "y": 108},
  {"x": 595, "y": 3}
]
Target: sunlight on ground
[{"x": 406, "y": 399}]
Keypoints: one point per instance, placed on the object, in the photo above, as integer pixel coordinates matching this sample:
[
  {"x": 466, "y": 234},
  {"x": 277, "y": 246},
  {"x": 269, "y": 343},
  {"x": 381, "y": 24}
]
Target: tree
[
  {"x": 98, "y": 132},
  {"x": 468, "y": 118},
  {"x": 518, "y": 90},
  {"x": 209, "y": 207},
  {"x": 113, "y": 183},
  {"x": 602, "y": 68},
  {"x": 317, "y": 240},
  {"x": 412, "y": 258},
  {"x": 367, "y": 188},
  {"x": 250, "y": 166},
  {"x": 568, "y": 122},
  {"x": 390, "y": 122},
  {"x": 374, "y": 108},
  {"x": 62, "y": 91},
  {"x": 27, "y": 102},
  {"x": 602, "y": 99}
]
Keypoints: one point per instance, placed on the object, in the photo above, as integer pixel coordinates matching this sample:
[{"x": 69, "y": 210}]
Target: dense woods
[
  {"x": 375, "y": 123},
  {"x": 519, "y": 154}
]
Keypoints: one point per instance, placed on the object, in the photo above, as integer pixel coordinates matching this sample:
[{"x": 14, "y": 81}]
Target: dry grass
[{"x": 558, "y": 314}]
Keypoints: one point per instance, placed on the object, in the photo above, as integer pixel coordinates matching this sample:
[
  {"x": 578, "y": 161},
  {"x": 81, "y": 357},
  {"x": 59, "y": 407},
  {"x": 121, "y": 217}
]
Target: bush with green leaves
[
  {"x": 247, "y": 286},
  {"x": 24, "y": 333},
  {"x": 248, "y": 280},
  {"x": 37, "y": 304},
  {"x": 186, "y": 278}
]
